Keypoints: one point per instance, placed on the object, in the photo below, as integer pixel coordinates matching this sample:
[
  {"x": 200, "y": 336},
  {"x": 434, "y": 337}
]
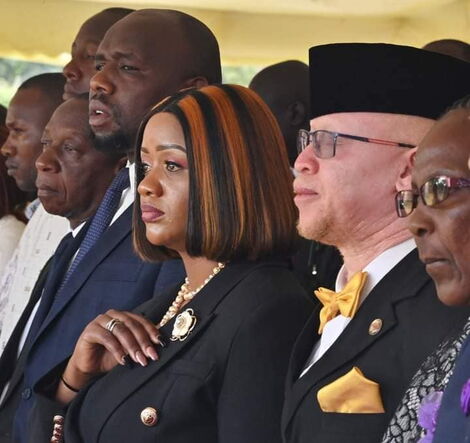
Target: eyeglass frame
[
  {"x": 335, "y": 135},
  {"x": 450, "y": 183}
]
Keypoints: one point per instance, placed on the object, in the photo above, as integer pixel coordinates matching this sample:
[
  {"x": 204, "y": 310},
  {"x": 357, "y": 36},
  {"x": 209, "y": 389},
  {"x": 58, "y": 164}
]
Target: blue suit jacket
[
  {"x": 110, "y": 276},
  {"x": 452, "y": 424}
]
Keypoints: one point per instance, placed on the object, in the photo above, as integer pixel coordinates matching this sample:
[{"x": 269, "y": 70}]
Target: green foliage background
[{"x": 14, "y": 72}]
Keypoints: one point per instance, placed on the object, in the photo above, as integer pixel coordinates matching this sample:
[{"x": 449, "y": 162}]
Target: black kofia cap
[{"x": 365, "y": 77}]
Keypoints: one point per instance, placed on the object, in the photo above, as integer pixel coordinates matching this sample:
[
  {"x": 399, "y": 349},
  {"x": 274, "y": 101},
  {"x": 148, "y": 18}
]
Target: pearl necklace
[{"x": 184, "y": 295}]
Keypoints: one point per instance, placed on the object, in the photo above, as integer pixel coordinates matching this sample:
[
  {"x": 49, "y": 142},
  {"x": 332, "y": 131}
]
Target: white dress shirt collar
[
  {"x": 378, "y": 267},
  {"x": 128, "y": 195}
]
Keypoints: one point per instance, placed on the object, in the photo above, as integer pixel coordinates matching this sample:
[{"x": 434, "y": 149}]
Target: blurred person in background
[
  {"x": 448, "y": 46},
  {"x": 285, "y": 89},
  {"x": 79, "y": 70},
  {"x": 28, "y": 112},
  {"x": 12, "y": 204}
]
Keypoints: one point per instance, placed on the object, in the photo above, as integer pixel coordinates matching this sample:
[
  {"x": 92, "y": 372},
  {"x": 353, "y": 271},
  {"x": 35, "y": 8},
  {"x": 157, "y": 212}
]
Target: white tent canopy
[{"x": 255, "y": 32}]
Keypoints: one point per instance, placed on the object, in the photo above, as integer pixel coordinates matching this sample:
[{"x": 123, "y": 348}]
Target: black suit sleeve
[
  {"x": 41, "y": 421},
  {"x": 250, "y": 402}
]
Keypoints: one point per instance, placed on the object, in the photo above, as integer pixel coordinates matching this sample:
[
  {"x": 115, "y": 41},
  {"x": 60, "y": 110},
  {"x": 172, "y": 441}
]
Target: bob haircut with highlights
[{"x": 240, "y": 184}]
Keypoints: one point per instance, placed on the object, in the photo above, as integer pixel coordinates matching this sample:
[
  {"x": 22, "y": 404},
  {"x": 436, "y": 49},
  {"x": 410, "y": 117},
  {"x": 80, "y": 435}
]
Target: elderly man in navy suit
[
  {"x": 371, "y": 104},
  {"x": 136, "y": 68}
]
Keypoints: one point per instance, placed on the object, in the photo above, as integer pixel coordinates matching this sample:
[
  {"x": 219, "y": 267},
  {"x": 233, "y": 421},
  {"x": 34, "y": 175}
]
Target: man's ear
[
  {"x": 296, "y": 113},
  {"x": 194, "y": 82},
  {"x": 406, "y": 166}
]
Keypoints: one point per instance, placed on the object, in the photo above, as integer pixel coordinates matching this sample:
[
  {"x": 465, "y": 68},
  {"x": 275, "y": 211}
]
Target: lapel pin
[
  {"x": 183, "y": 326},
  {"x": 149, "y": 416},
  {"x": 375, "y": 326}
]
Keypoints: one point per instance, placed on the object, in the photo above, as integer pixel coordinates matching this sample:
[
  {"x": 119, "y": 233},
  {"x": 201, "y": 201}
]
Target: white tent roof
[{"x": 249, "y": 31}]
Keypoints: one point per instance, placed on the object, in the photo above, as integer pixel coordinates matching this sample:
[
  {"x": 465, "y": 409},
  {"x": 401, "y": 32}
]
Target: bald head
[
  {"x": 50, "y": 84},
  {"x": 454, "y": 48},
  {"x": 285, "y": 89},
  {"x": 143, "y": 58},
  {"x": 102, "y": 21},
  {"x": 81, "y": 67},
  {"x": 186, "y": 42}
]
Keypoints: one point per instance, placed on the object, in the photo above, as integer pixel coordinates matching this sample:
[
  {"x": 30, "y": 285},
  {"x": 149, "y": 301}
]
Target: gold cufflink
[
  {"x": 149, "y": 416},
  {"x": 375, "y": 326}
]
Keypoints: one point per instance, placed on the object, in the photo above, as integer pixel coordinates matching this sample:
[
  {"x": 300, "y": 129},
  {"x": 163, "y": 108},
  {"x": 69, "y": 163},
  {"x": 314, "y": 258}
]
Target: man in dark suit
[
  {"x": 370, "y": 106},
  {"x": 60, "y": 178},
  {"x": 143, "y": 58}
]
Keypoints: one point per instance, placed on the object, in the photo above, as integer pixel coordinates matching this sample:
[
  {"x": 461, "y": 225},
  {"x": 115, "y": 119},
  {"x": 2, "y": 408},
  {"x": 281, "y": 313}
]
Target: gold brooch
[{"x": 183, "y": 326}]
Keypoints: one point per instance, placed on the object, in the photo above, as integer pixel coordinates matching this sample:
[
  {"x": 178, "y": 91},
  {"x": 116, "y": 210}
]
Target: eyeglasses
[
  {"x": 434, "y": 191},
  {"x": 324, "y": 142}
]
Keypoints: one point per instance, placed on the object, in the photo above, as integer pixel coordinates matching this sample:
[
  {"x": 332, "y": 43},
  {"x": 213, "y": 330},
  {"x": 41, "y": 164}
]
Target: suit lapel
[
  {"x": 404, "y": 281},
  {"x": 205, "y": 309},
  {"x": 103, "y": 247},
  {"x": 303, "y": 348}
]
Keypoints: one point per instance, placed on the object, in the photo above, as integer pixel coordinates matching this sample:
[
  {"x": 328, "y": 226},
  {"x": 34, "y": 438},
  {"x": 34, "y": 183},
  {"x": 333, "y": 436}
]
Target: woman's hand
[{"x": 98, "y": 349}]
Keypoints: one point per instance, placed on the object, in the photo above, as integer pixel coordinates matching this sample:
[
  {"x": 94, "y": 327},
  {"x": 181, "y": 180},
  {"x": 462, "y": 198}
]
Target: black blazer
[
  {"x": 110, "y": 276},
  {"x": 224, "y": 383},
  {"x": 414, "y": 323}
]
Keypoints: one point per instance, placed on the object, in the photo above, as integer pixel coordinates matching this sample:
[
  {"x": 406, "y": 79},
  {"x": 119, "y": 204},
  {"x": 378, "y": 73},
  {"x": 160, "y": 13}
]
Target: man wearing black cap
[{"x": 371, "y": 104}]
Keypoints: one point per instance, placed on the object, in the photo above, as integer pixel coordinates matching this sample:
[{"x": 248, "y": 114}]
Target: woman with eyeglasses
[
  {"x": 436, "y": 406},
  {"x": 206, "y": 361}
]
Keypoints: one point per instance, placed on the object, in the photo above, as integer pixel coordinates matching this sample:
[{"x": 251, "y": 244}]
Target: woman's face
[
  {"x": 442, "y": 232},
  {"x": 165, "y": 187}
]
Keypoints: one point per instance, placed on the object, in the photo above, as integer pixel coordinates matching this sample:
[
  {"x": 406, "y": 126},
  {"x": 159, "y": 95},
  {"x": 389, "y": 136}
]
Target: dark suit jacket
[
  {"x": 316, "y": 265},
  {"x": 414, "y": 323},
  {"x": 8, "y": 360},
  {"x": 110, "y": 276},
  {"x": 453, "y": 426},
  {"x": 223, "y": 384}
]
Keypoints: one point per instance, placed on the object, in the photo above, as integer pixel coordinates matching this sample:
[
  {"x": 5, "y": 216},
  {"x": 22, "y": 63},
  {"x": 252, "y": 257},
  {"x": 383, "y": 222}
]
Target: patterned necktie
[
  {"x": 102, "y": 218},
  {"x": 344, "y": 302}
]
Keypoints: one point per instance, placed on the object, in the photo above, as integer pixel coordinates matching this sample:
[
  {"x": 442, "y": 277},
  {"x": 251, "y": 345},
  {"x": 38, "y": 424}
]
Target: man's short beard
[
  {"x": 320, "y": 232},
  {"x": 114, "y": 143}
]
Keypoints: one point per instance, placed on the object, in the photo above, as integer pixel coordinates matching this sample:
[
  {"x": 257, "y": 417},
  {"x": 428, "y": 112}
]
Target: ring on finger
[{"x": 112, "y": 324}]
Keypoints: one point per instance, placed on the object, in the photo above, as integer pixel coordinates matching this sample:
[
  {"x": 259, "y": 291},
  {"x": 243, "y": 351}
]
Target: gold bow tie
[{"x": 345, "y": 302}]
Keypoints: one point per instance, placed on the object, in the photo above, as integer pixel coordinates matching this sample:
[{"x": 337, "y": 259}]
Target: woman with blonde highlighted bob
[{"x": 206, "y": 361}]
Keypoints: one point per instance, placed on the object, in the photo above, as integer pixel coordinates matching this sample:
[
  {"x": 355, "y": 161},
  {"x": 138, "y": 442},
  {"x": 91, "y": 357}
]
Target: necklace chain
[{"x": 185, "y": 295}]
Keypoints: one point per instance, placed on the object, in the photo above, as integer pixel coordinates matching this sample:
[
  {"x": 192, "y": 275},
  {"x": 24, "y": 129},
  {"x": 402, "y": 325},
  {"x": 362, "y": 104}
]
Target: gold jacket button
[
  {"x": 58, "y": 419},
  {"x": 375, "y": 326},
  {"x": 149, "y": 416},
  {"x": 57, "y": 433}
]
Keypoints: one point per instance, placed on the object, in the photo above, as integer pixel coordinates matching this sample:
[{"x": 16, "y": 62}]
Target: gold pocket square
[{"x": 351, "y": 393}]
